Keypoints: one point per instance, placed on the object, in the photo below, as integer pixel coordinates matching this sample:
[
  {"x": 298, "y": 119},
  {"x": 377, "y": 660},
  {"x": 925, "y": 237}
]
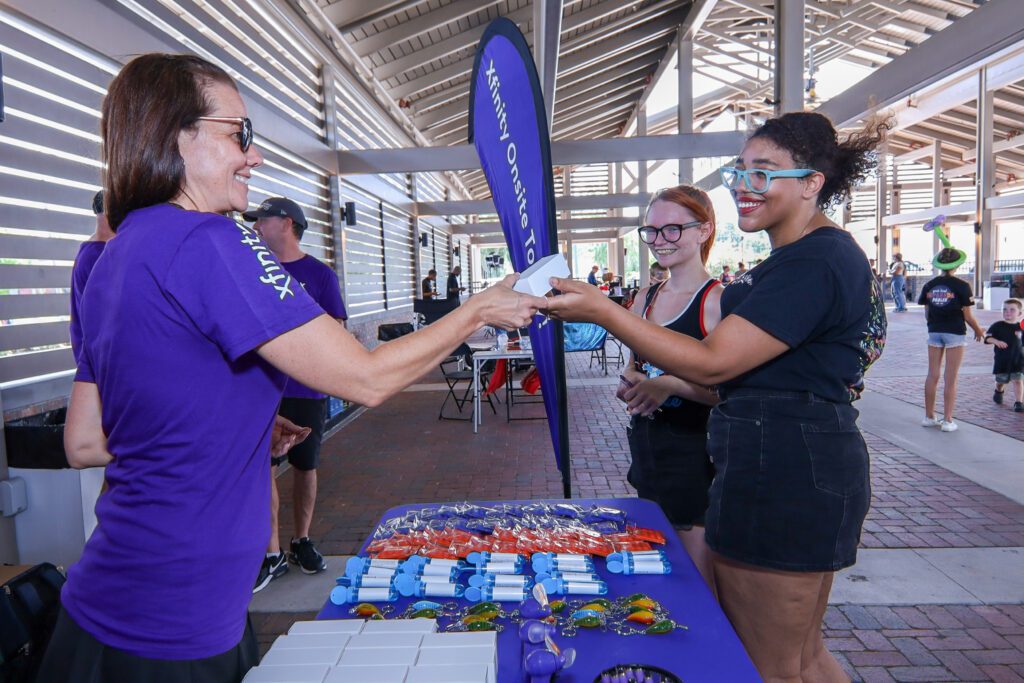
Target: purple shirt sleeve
[
  {"x": 233, "y": 288},
  {"x": 84, "y": 371}
]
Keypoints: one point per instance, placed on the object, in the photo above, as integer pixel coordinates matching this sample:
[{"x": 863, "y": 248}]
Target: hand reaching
[
  {"x": 505, "y": 308},
  {"x": 286, "y": 435},
  {"x": 645, "y": 397},
  {"x": 577, "y": 302}
]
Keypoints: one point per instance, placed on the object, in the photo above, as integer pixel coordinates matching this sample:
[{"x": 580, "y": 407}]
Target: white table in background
[{"x": 481, "y": 357}]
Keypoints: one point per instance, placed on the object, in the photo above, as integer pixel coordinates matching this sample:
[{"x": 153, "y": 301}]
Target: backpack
[{"x": 29, "y": 605}]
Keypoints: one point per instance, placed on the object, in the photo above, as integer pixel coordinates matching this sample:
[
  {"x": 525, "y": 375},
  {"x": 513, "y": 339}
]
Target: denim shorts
[
  {"x": 946, "y": 340},
  {"x": 792, "y": 484},
  {"x": 1005, "y": 377}
]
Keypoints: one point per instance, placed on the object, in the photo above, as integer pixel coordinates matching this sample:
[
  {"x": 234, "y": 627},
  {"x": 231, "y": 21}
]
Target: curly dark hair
[
  {"x": 948, "y": 255},
  {"x": 812, "y": 141}
]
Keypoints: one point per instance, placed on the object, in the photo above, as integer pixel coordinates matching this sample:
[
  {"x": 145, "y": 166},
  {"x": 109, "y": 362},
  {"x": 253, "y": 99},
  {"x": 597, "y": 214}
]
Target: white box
[
  {"x": 311, "y": 640},
  {"x": 295, "y": 673},
  {"x": 349, "y": 626},
  {"x": 471, "y": 639},
  {"x": 456, "y": 673},
  {"x": 452, "y": 656},
  {"x": 375, "y": 656},
  {"x": 367, "y": 674},
  {"x": 374, "y": 640},
  {"x": 302, "y": 655},
  {"x": 421, "y": 626},
  {"x": 536, "y": 279}
]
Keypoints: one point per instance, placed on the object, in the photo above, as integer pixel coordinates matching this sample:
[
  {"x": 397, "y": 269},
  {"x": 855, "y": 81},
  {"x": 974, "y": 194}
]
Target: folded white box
[
  {"x": 294, "y": 673},
  {"x": 401, "y": 656},
  {"x": 421, "y": 626},
  {"x": 456, "y": 673},
  {"x": 450, "y": 656},
  {"x": 302, "y": 655},
  {"x": 470, "y": 639},
  {"x": 374, "y": 640},
  {"x": 367, "y": 674},
  {"x": 535, "y": 280},
  {"x": 311, "y": 640},
  {"x": 349, "y": 626}
]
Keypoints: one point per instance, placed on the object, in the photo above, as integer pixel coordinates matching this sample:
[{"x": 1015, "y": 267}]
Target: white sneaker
[
  {"x": 931, "y": 422},
  {"x": 949, "y": 426}
]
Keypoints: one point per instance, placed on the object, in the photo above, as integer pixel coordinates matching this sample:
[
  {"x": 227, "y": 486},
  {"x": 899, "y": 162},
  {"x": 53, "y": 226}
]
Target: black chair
[
  {"x": 516, "y": 395},
  {"x": 454, "y": 371}
]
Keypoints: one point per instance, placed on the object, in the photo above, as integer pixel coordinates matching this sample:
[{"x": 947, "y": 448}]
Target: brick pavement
[{"x": 901, "y": 370}]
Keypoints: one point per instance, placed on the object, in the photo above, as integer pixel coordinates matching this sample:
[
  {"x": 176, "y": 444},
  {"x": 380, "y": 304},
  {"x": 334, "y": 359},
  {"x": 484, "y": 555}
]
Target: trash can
[
  {"x": 37, "y": 442},
  {"x": 997, "y": 290},
  {"x": 61, "y": 501}
]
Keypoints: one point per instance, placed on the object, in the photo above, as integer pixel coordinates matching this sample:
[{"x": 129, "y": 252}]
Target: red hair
[{"x": 697, "y": 202}]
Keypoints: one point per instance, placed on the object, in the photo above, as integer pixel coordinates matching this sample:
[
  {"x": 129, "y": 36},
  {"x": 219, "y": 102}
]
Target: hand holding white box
[{"x": 536, "y": 279}]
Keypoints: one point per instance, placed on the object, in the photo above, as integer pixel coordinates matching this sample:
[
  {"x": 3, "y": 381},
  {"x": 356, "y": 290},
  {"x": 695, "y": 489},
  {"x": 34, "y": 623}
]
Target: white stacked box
[{"x": 388, "y": 651}]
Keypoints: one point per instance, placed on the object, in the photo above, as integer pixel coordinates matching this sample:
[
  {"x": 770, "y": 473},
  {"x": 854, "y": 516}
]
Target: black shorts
[
  {"x": 74, "y": 655},
  {"x": 670, "y": 466},
  {"x": 305, "y": 412},
  {"x": 792, "y": 484}
]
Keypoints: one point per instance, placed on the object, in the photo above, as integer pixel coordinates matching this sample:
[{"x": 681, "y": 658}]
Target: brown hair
[
  {"x": 697, "y": 202},
  {"x": 150, "y": 101},
  {"x": 1014, "y": 302},
  {"x": 812, "y": 141}
]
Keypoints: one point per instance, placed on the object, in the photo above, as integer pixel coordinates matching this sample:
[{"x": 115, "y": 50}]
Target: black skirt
[
  {"x": 74, "y": 655},
  {"x": 670, "y": 466},
  {"x": 792, "y": 483}
]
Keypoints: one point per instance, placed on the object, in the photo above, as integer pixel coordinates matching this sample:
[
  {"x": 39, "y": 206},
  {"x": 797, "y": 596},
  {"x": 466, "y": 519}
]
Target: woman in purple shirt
[{"x": 190, "y": 326}]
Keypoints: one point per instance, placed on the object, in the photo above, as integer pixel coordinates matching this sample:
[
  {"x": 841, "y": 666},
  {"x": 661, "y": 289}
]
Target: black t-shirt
[
  {"x": 427, "y": 287},
  {"x": 453, "y": 286},
  {"x": 1010, "y": 359},
  {"x": 818, "y": 296},
  {"x": 945, "y": 298}
]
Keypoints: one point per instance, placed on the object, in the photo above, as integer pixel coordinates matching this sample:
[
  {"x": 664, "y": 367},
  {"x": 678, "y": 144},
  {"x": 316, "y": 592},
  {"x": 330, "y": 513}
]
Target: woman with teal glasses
[{"x": 798, "y": 331}]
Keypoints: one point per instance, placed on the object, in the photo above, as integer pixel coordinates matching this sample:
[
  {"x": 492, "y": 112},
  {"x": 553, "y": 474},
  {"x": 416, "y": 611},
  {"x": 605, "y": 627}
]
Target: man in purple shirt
[
  {"x": 84, "y": 261},
  {"x": 281, "y": 223}
]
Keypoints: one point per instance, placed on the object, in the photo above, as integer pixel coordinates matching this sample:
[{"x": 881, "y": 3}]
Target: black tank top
[{"x": 685, "y": 413}]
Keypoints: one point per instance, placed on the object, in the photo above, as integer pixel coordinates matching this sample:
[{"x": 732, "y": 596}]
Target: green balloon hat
[{"x": 937, "y": 224}]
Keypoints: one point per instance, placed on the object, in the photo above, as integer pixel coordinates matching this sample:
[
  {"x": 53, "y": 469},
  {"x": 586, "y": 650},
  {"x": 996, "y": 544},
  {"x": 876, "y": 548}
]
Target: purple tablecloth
[{"x": 710, "y": 651}]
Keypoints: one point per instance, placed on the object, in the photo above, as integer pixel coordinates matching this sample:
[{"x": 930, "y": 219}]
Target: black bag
[
  {"x": 389, "y": 331},
  {"x": 29, "y": 604}
]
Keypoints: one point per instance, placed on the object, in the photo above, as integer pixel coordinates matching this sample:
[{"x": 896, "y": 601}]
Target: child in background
[{"x": 1008, "y": 368}]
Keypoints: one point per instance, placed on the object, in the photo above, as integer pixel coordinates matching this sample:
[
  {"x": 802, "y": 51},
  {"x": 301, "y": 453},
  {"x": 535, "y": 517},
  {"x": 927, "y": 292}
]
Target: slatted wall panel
[
  {"x": 364, "y": 254},
  {"x": 360, "y": 125},
  {"x": 285, "y": 175},
  {"x": 399, "y": 250},
  {"x": 264, "y": 57},
  {"x": 49, "y": 172}
]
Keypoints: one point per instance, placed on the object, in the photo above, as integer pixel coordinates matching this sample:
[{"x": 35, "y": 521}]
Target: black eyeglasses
[
  {"x": 671, "y": 232},
  {"x": 244, "y": 137}
]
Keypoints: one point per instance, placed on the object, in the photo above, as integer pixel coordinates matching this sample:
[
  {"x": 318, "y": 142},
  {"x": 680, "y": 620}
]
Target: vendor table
[
  {"x": 709, "y": 651},
  {"x": 481, "y": 357}
]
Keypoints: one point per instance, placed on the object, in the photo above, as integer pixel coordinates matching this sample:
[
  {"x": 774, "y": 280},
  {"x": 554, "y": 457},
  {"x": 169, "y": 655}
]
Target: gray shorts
[
  {"x": 946, "y": 340},
  {"x": 1007, "y": 377}
]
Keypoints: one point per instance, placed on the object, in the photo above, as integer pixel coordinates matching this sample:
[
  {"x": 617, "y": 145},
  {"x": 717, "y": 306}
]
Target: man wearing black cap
[
  {"x": 88, "y": 253},
  {"x": 281, "y": 222}
]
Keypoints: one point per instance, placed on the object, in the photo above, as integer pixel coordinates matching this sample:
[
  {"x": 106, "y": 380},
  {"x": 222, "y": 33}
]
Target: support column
[
  {"x": 881, "y": 196},
  {"x": 936, "y": 192},
  {"x": 684, "y": 66},
  {"x": 644, "y": 251},
  {"x": 984, "y": 252},
  {"x": 789, "y": 56},
  {"x": 8, "y": 534},
  {"x": 566, "y": 214}
]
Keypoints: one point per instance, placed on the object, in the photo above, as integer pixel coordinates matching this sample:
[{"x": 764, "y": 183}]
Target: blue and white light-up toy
[
  {"x": 361, "y": 565},
  {"x": 427, "y": 566},
  {"x": 560, "y": 587},
  {"x": 520, "y": 580},
  {"x": 366, "y": 581},
  {"x": 546, "y": 562},
  {"x": 640, "y": 565},
  {"x": 585, "y": 577},
  {"x": 408, "y": 586},
  {"x": 341, "y": 595},
  {"x": 484, "y": 557},
  {"x": 496, "y": 593}
]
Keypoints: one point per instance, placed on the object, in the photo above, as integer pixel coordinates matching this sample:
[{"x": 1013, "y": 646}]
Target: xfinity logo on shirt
[{"x": 274, "y": 274}]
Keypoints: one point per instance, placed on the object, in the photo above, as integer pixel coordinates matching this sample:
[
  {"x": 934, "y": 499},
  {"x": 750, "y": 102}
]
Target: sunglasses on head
[
  {"x": 671, "y": 231},
  {"x": 244, "y": 137},
  {"x": 758, "y": 180}
]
